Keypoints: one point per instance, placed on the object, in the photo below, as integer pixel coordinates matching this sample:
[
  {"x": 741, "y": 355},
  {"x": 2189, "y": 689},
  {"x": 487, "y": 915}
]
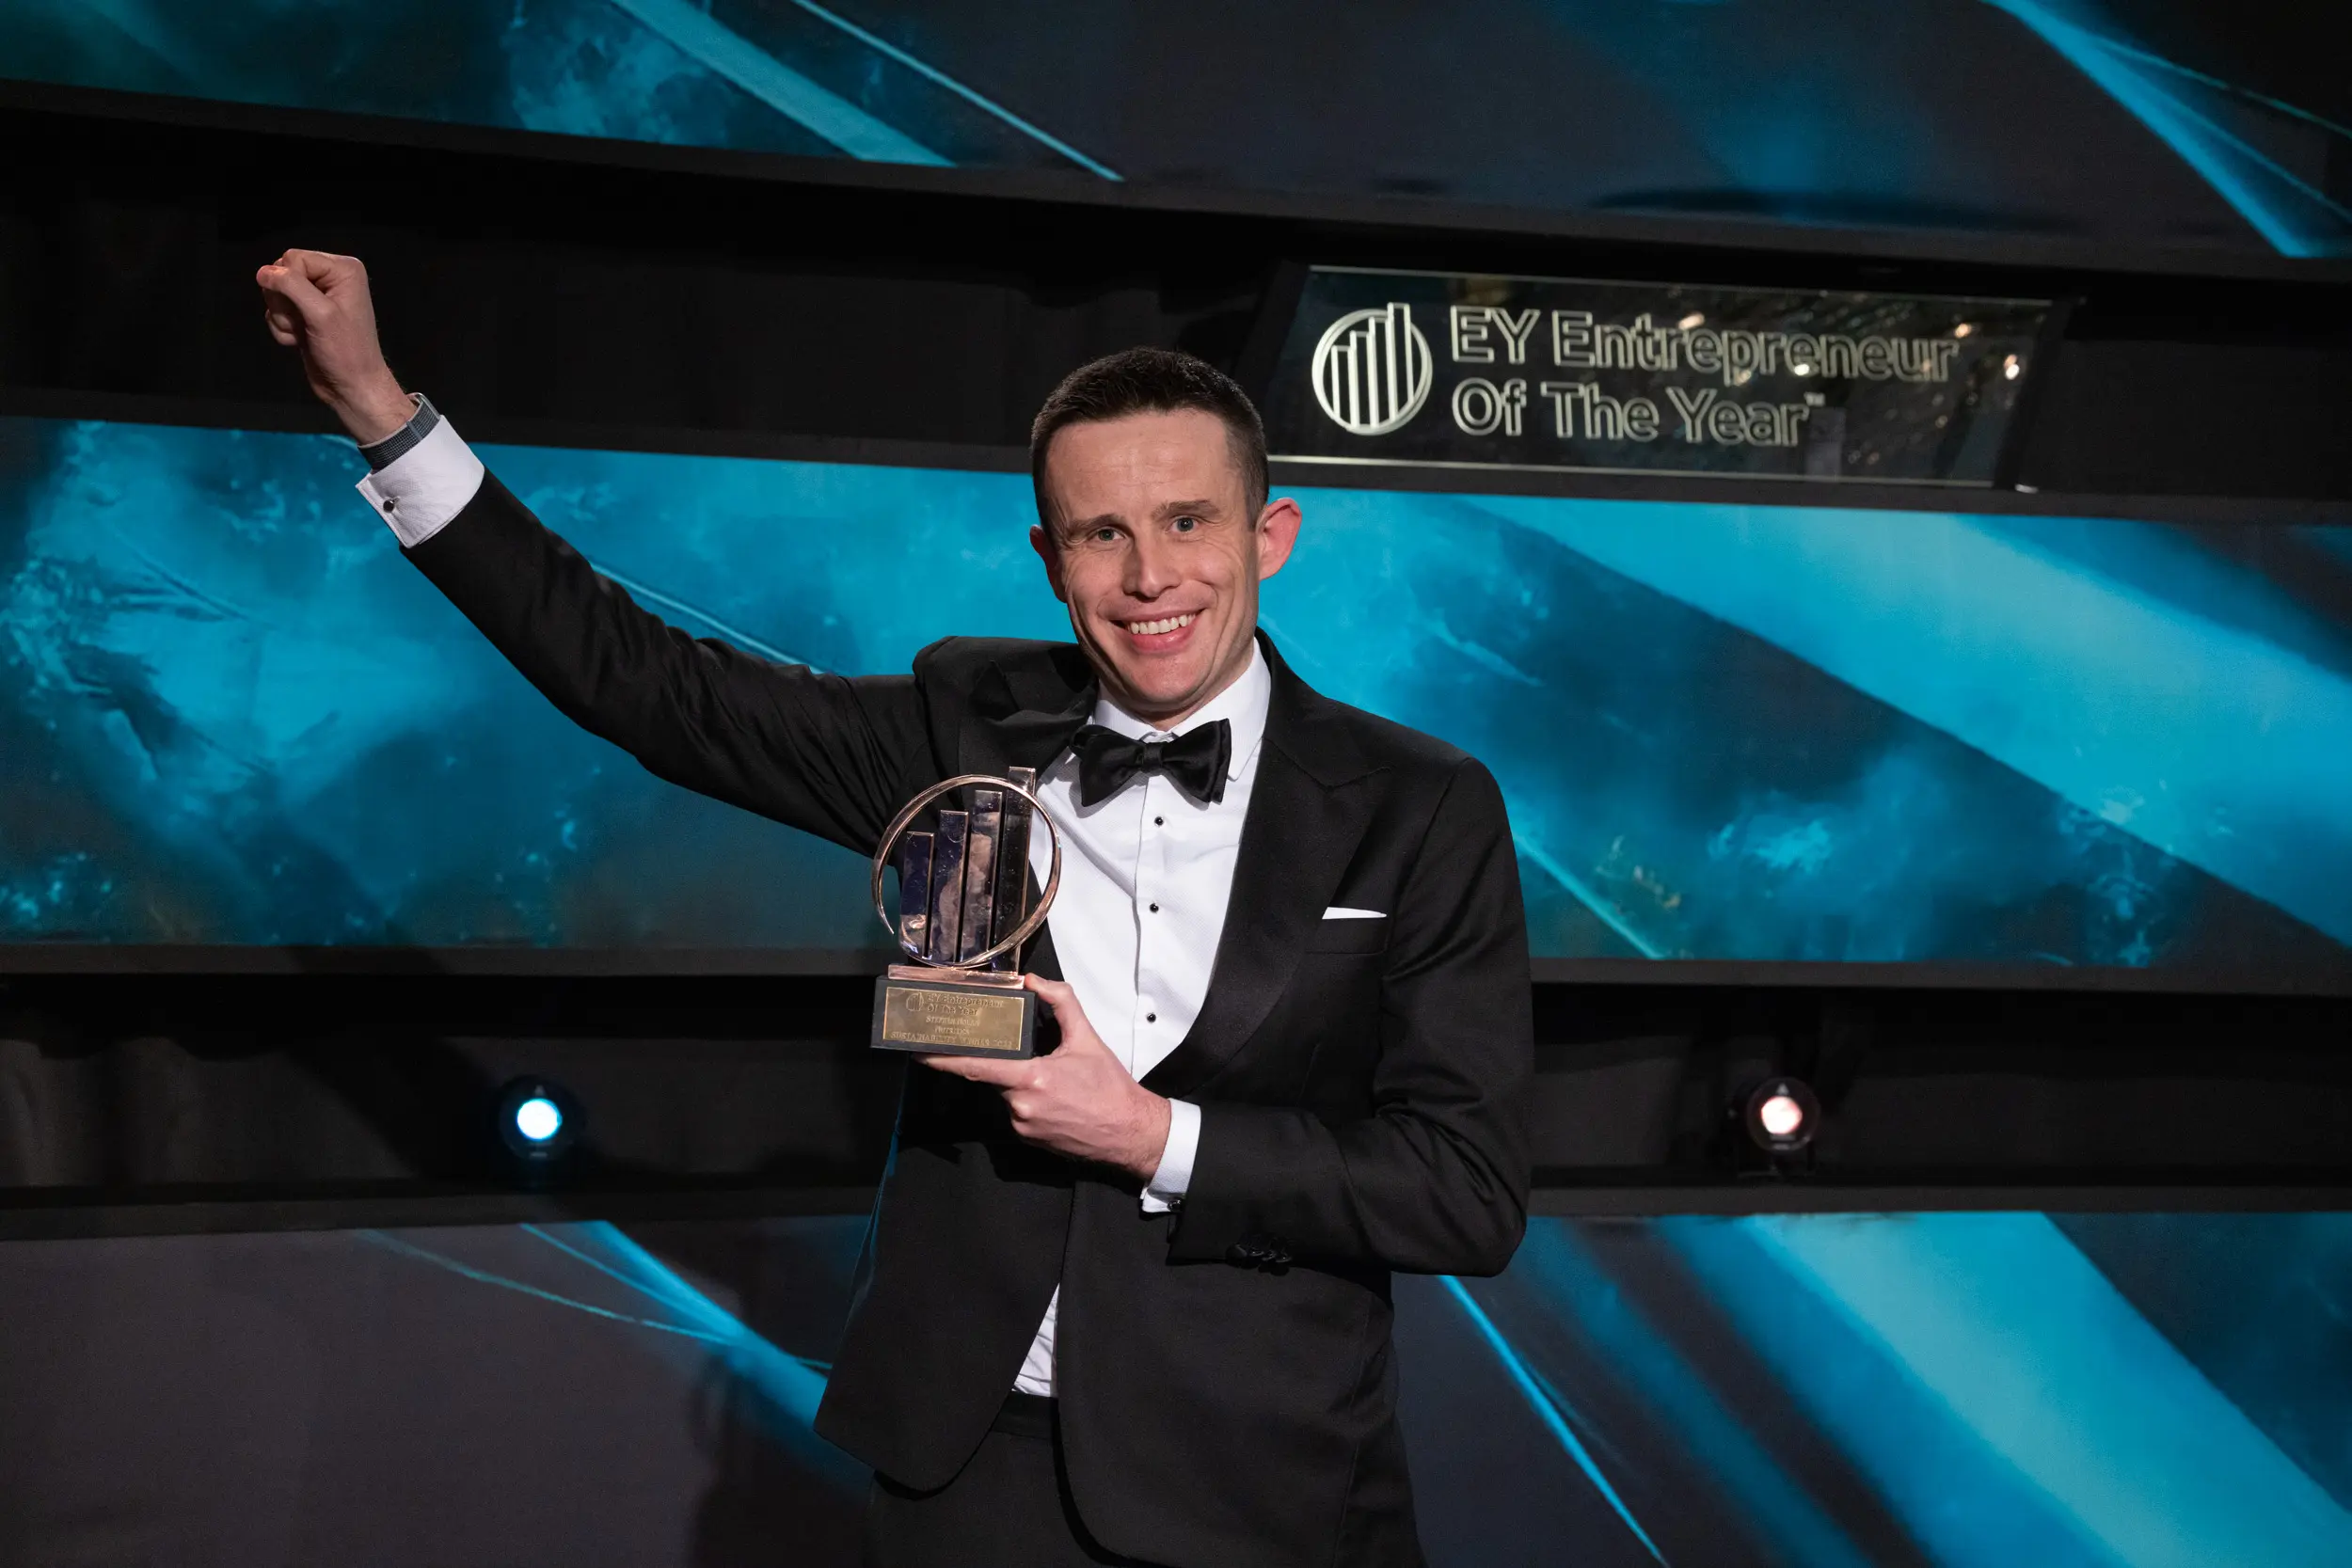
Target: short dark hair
[{"x": 1152, "y": 380}]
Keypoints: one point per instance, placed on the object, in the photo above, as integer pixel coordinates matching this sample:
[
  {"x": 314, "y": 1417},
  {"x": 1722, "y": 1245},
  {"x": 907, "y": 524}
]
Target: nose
[{"x": 1151, "y": 567}]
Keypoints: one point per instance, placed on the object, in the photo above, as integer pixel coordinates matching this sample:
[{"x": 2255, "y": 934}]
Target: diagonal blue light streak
[
  {"x": 884, "y": 46},
  {"x": 482, "y": 1276},
  {"x": 789, "y": 1386},
  {"x": 2163, "y": 114},
  {"x": 1596, "y": 1441},
  {"x": 784, "y": 1380},
  {"x": 712, "y": 44},
  {"x": 2145, "y": 57},
  {"x": 744, "y": 639},
  {"x": 2034, "y": 1350},
  {"x": 180, "y": 585},
  {"x": 1544, "y": 1410},
  {"x": 1959, "y": 1499},
  {"x": 2253, "y": 154},
  {"x": 2229, "y": 138},
  {"x": 1557, "y": 1264},
  {"x": 1583, "y": 893},
  {"x": 641, "y": 1288},
  {"x": 2205, "y": 740},
  {"x": 601, "y": 1267}
]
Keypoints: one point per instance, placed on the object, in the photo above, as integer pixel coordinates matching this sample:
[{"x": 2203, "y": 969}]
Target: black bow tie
[{"x": 1197, "y": 761}]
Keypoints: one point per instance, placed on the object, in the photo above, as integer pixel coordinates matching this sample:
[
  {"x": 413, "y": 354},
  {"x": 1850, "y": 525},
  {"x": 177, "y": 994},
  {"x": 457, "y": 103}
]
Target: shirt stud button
[
  {"x": 1155, "y": 908},
  {"x": 1151, "y": 1018},
  {"x": 1159, "y": 822}
]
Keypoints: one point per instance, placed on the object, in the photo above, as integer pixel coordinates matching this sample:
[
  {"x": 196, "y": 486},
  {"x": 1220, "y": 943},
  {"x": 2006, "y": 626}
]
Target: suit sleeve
[
  {"x": 1434, "y": 1179},
  {"x": 826, "y": 754}
]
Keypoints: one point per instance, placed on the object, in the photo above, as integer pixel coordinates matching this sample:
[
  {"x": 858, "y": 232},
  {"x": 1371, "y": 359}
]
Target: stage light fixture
[
  {"x": 1782, "y": 1115},
  {"x": 537, "y": 1120}
]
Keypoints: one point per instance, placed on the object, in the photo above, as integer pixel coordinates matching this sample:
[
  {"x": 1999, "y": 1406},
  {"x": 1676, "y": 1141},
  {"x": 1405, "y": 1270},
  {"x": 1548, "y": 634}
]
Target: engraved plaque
[{"x": 952, "y": 1019}]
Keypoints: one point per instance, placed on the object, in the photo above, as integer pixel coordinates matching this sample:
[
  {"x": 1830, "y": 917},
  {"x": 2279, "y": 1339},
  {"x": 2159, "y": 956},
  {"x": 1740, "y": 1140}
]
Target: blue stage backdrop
[
  {"x": 2185, "y": 121},
  {"x": 232, "y": 715},
  {"x": 1830, "y": 1391}
]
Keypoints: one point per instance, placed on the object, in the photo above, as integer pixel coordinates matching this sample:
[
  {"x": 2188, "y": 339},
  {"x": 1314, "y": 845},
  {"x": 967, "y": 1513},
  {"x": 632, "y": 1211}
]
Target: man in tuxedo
[{"x": 1128, "y": 1302}]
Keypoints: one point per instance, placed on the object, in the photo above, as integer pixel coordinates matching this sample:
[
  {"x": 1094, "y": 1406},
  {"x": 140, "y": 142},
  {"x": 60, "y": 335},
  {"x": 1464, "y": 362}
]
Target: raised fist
[{"x": 318, "y": 303}]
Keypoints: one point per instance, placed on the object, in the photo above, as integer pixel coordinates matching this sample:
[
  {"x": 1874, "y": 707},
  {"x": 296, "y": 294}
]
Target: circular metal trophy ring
[{"x": 905, "y": 820}]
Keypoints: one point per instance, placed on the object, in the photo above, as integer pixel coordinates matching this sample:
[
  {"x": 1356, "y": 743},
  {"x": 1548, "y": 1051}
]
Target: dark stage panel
[{"x": 1977, "y": 1391}]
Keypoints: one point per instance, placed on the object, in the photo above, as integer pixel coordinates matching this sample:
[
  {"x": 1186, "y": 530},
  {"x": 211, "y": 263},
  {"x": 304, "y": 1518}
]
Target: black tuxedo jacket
[{"x": 1228, "y": 1392}]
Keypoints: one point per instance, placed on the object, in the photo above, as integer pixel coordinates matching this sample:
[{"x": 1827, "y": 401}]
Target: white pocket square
[{"x": 1339, "y": 911}]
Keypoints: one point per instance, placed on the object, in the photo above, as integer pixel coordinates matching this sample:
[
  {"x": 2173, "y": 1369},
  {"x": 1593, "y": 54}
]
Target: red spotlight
[{"x": 1782, "y": 1115}]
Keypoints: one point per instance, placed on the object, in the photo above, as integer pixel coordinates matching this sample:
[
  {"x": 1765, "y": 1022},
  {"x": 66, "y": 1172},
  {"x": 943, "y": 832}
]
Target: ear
[
  {"x": 1277, "y": 530},
  {"x": 1043, "y": 543}
]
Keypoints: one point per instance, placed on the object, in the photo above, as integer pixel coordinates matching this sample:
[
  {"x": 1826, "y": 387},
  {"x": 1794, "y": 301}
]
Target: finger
[
  {"x": 1067, "y": 1015},
  {"x": 283, "y": 324},
  {"x": 283, "y": 321},
  {"x": 324, "y": 269},
  {"x": 1058, "y": 995},
  {"x": 300, "y": 286},
  {"x": 1051, "y": 990},
  {"x": 292, "y": 292},
  {"x": 979, "y": 1070},
  {"x": 955, "y": 1067}
]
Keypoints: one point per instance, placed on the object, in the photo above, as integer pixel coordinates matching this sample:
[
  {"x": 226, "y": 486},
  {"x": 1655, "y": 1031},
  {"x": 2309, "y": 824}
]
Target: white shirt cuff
[
  {"x": 422, "y": 489},
  {"x": 1168, "y": 1183}
]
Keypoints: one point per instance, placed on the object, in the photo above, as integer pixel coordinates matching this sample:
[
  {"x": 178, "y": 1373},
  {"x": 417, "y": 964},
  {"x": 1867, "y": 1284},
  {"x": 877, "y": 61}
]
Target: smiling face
[{"x": 1151, "y": 544}]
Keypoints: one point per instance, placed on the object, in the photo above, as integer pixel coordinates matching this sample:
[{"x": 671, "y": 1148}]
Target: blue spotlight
[{"x": 537, "y": 1120}]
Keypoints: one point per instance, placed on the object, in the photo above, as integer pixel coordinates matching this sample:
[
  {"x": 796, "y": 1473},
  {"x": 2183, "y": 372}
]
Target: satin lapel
[
  {"x": 1024, "y": 719},
  {"x": 1308, "y": 811}
]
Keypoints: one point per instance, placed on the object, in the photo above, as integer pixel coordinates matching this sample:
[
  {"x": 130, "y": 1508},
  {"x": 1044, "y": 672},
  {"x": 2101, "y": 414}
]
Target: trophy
[{"x": 962, "y": 917}]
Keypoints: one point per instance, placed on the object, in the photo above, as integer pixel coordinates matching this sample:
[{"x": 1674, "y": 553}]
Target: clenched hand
[
  {"x": 318, "y": 302},
  {"x": 1079, "y": 1101}
]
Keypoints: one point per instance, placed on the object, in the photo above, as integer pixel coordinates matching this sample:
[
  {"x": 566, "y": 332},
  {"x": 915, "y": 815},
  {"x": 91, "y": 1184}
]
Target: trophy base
[{"x": 975, "y": 1014}]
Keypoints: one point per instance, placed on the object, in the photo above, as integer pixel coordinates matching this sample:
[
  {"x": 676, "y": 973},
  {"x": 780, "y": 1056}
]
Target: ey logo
[{"x": 1372, "y": 369}]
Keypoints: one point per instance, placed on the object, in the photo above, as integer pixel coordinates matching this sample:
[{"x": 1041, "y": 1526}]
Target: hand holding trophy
[{"x": 963, "y": 919}]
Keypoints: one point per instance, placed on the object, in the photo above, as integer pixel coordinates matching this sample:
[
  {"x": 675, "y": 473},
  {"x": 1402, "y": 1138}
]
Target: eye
[
  {"x": 1104, "y": 536},
  {"x": 1186, "y": 525}
]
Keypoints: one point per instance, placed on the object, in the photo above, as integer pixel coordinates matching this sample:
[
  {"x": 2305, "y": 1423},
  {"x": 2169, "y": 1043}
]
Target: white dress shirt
[
  {"x": 1146, "y": 874},
  {"x": 422, "y": 489}
]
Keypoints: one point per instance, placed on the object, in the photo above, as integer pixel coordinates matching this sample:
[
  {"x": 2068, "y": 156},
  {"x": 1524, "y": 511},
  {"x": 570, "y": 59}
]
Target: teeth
[{"x": 1153, "y": 628}]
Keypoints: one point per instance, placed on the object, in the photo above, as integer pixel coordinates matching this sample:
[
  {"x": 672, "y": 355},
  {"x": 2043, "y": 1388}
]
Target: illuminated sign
[{"x": 1450, "y": 369}]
